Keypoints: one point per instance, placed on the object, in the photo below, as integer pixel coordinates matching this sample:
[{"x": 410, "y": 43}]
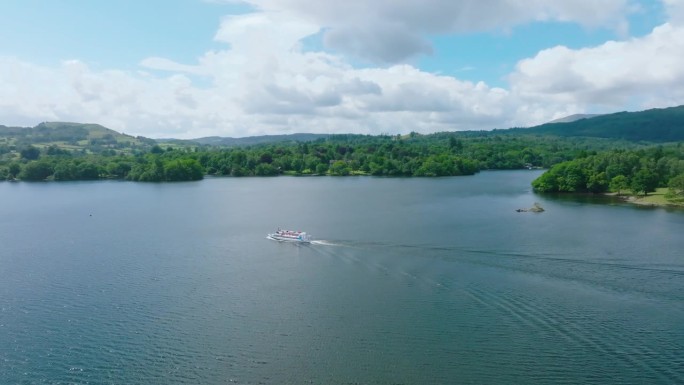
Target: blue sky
[
  {"x": 189, "y": 68},
  {"x": 110, "y": 33},
  {"x": 490, "y": 56}
]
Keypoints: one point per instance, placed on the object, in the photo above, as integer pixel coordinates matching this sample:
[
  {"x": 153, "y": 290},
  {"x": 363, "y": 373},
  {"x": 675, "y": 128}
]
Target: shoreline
[{"x": 655, "y": 199}]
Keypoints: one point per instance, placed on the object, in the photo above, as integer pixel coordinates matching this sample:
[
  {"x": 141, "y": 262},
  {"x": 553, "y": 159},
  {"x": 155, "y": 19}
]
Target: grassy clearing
[{"x": 656, "y": 198}]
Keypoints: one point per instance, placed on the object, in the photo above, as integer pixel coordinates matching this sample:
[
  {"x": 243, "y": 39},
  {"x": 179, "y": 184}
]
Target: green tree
[
  {"x": 321, "y": 169},
  {"x": 54, "y": 150},
  {"x": 148, "y": 171},
  {"x": 339, "y": 168},
  {"x": 36, "y": 170},
  {"x": 546, "y": 183},
  {"x": 183, "y": 170},
  {"x": 598, "y": 183},
  {"x": 676, "y": 186},
  {"x": 619, "y": 183},
  {"x": 118, "y": 169},
  {"x": 644, "y": 181},
  {"x": 455, "y": 145},
  {"x": 65, "y": 171},
  {"x": 436, "y": 165},
  {"x": 266, "y": 157},
  {"x": 265, "y": 169},
  {"x": 30, "y": 153},
  {"x": 87, "y": 171},
  {"x": 573, "y": 178},
  {"x": 13, "y": 169}
]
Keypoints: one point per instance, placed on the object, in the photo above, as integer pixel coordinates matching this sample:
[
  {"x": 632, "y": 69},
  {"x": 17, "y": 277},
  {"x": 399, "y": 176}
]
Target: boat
[{"x": 290, "y": 236}]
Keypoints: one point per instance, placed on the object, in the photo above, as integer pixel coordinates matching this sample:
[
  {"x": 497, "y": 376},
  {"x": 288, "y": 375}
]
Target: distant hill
[
  {"x": 655, "y": 125},
  {"x": 73, "y": 136},
  {"x": 253, "y": 140},
  {"x": 575, "y": 117},
  {"x": 64, "y": 132}
]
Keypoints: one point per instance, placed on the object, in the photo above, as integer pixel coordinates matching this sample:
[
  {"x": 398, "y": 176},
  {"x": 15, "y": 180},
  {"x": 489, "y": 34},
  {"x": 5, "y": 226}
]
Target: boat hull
[
  {"x": 281, "y": 239},
  {"x": 289, "y": 236}
]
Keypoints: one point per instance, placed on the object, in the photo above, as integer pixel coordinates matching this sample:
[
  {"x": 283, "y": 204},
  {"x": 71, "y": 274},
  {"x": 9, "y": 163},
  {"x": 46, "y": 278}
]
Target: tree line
[
  {"x": 441, "y": 154},
  {"x": 638, "y": 171},
  {"x": 150, "y": 167}
]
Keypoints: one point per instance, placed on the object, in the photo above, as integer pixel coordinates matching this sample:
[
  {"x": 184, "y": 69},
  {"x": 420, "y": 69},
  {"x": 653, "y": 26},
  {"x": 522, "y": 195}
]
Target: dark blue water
[{"x": 414, "y": 281}]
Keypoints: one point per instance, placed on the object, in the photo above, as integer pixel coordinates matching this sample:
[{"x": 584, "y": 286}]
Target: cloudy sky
[{"x": 192, "y": 68}]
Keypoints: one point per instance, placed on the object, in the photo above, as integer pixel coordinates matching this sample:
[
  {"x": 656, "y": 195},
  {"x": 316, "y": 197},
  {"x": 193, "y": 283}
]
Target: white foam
[{"x": 324, "y": 243}]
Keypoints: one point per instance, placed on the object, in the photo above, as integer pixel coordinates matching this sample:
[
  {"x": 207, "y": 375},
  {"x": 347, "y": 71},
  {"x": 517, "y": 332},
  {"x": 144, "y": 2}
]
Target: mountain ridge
[
  {"x": 574, "y": 117},
  {"x": 653, "y": 125}
]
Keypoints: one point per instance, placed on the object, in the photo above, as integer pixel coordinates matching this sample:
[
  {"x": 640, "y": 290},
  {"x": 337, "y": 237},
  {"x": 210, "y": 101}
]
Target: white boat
[{"x": 290, "y": 236}]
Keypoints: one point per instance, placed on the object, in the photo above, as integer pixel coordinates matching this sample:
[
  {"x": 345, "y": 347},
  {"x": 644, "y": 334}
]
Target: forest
[
  {"x": 443, "y": 154},
  {"x": 638, "y": 171}
]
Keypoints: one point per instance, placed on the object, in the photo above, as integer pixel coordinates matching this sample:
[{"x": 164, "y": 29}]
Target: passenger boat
[{"x": 290, "y": 236}]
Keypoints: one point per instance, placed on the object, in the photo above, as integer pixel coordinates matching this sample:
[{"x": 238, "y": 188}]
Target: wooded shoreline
[{"x": 622, "y": 152}]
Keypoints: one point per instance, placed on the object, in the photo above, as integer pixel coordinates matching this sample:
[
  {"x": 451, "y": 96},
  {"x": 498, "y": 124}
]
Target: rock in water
[{"x": 536, "y": 208}]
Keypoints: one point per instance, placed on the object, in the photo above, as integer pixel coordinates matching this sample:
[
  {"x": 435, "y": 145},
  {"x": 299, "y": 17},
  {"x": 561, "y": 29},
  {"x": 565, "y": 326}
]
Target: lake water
[{"x": 413, "y": 281}]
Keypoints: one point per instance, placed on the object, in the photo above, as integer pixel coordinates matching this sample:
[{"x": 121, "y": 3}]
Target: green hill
[
  {"x": 90, "y": 138},
  {"x": 655, "y": 125},
  {"x": 574, "y": 117}
]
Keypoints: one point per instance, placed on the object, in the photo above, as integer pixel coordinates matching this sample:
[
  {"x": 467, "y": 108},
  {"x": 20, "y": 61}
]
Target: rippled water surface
[{"x": 411, "y": 281}]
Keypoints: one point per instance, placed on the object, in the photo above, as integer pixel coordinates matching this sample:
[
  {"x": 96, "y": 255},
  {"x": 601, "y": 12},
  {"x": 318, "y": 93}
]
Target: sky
[{"x": 194, "y": 68}]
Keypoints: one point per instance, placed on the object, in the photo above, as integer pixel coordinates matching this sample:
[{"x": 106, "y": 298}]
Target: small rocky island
[{"x": 536, "y": 208}]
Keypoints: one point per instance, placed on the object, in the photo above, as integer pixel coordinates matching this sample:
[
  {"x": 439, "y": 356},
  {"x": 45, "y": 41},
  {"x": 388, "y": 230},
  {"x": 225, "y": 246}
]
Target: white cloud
[
  {"x": 389, "y": 31},
  {"x": 266, "y": 83},
  {"x": 160, "y": 63},
  {"x": 636, "y": 73},
  {"x": 675, "y": 10},
  {"x": 250, "y": 90}
]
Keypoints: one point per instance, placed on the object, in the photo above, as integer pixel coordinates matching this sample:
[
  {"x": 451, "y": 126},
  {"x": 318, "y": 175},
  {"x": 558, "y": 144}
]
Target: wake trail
[{"x": 326, "y": 243}]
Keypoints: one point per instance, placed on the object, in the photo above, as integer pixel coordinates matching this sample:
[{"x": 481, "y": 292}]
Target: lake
[{"x": 411, "y": 281}]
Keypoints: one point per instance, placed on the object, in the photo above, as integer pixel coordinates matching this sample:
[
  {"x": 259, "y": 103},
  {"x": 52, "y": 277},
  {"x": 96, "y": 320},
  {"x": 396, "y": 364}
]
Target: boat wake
[
  {"x": 318, "y": 242},
  {"x": 325, "y": 243}
]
